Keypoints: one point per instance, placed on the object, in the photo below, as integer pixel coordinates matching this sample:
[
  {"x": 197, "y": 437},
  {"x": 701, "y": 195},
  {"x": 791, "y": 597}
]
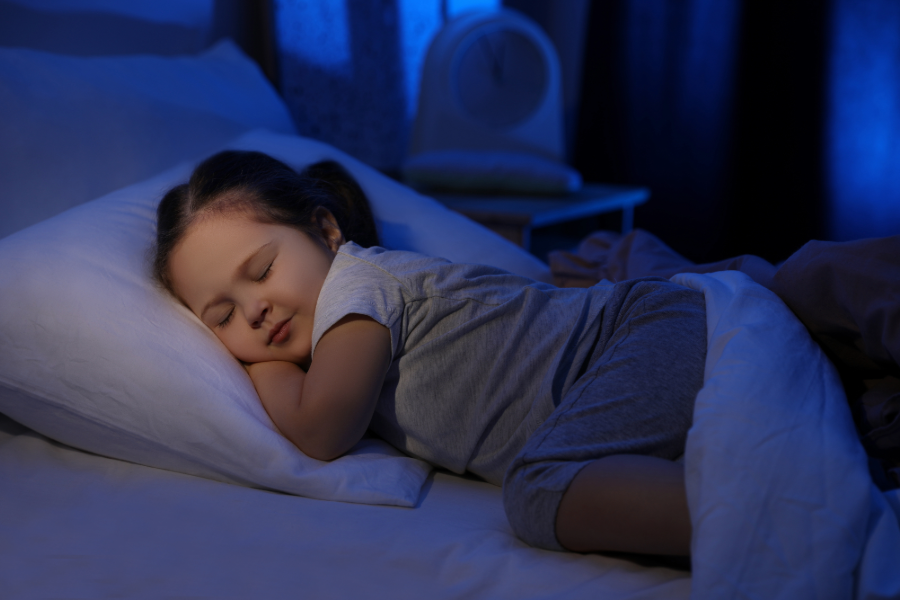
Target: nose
[{"x": 256, "y": 314}]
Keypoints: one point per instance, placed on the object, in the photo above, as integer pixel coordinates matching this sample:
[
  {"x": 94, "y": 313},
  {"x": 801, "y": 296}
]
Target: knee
[
  {"x": 516, "y": 501},
  {"x": 531, "y": 496}
]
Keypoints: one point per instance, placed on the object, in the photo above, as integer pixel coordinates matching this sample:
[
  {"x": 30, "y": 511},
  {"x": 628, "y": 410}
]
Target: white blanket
[{"x": 781, "y": 500}]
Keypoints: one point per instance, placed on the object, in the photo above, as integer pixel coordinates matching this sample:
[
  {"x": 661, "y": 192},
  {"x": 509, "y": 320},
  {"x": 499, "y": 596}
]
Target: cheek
[{"x": 235, "y": 341}]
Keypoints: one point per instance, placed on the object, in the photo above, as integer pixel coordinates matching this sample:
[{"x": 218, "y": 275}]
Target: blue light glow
[
  {"x": 863, "y": 151},
  {"x": 457, "y": 7},
  {"x": 419, "y": 23},
  {"x": 350, "y": 70},
  {"x": 316, "y": 32}
]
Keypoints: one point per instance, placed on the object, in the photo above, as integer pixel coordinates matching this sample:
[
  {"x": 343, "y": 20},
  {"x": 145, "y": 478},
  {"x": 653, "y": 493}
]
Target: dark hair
[{"x": 272, "y": 191}]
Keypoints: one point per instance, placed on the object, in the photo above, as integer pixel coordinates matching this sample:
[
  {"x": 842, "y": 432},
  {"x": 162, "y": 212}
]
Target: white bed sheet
[{"x": 76, "y": 525}]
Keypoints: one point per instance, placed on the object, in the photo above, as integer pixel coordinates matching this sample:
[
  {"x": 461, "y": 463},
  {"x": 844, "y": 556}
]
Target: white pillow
[
  {"x": 75, "y": 128},
  {"x": 95, "y": 27},
  {"x": 94, "y": 355}
]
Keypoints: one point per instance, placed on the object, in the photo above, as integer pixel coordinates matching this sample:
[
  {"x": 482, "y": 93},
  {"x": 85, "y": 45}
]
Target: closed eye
[
  {"x": 265, "y": 274},
  {"x": 227, "y": 319}
]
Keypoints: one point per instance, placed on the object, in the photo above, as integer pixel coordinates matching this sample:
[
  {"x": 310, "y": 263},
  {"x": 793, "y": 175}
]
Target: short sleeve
[{"x": 356, "y": 286}]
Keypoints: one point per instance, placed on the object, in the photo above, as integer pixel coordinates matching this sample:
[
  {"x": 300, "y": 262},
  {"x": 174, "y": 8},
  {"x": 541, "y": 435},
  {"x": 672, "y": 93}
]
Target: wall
[{"x": 863, "y": 120}]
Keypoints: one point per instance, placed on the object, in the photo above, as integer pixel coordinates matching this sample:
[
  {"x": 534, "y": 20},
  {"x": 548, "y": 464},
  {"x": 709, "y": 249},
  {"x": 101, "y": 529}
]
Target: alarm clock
[{"x": 491, "y": 82}]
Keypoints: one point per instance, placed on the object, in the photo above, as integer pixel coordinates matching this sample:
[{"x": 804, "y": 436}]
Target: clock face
[{"x": 501, "y": 77}]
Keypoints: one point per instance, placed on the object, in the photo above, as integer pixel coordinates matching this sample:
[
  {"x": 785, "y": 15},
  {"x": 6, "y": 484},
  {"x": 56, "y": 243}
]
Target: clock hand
[
  {"x": 496, "y": 65},
  {"x": 500, "y": 62}
]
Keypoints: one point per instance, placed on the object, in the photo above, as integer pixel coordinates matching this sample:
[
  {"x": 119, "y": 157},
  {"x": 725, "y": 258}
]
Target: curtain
[{"x": 756, "y": 125}]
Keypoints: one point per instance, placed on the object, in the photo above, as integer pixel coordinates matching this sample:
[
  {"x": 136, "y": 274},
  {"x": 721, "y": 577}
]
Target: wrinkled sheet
[
  {"x": 615, "y": 257},
  {"x": 849, "y": 291},
  {"x": 781, "y": 500}
]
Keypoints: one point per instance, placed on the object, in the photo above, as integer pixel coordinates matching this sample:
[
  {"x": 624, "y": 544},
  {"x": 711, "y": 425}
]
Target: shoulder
[
  {"x": 412, "y": 267},
  {"x": 415, "y": 277},
  {"x": 395, "y": 262},
  {"x": 362, "y": 281}
]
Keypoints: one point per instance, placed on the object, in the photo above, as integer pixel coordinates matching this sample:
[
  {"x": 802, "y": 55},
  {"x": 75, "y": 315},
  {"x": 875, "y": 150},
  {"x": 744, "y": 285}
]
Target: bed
[{"x": 136, "y": 461}]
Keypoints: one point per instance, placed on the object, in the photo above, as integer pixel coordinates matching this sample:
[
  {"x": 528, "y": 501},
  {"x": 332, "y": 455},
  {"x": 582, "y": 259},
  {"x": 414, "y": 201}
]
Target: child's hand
[{"x": 325, "y": 411}]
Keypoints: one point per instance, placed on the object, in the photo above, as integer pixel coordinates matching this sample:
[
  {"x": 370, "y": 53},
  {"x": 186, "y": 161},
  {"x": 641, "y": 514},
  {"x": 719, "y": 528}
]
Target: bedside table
[{"x": 515, "y": 216}]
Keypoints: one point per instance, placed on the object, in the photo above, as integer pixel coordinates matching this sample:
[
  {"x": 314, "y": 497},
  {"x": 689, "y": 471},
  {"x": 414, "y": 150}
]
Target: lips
[{"x": 280, "y": 332}]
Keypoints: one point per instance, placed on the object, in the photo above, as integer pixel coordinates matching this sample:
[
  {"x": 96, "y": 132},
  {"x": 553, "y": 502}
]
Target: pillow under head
[{"x": 95, "y": 355}]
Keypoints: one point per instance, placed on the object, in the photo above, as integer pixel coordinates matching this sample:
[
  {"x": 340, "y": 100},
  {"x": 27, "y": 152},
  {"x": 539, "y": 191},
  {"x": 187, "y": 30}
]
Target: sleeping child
[{"x": 576, "y": 401}]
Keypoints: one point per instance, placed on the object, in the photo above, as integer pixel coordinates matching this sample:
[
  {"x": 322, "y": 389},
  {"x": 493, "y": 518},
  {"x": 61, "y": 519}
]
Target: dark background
[
  {"x": 758, "y": 125},
  {"x": 737, "y": 172}
]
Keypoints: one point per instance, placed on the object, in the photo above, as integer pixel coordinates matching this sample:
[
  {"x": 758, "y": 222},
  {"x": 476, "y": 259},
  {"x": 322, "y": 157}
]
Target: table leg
[{"x": 627, "y": 219}]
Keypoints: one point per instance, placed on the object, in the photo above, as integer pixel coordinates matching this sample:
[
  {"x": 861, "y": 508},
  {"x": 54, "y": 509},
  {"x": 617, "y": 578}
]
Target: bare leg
[{"x": 626, "y": 503}]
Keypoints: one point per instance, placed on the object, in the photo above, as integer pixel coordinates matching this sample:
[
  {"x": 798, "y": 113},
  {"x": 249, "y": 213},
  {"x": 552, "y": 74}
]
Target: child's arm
[
  {"x": 325, "y": 411},
  {"x": 626, "y": 503}
]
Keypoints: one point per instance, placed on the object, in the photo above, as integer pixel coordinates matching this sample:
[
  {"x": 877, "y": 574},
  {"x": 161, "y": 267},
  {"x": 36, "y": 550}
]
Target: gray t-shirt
[{"x": 480, "y": 357}]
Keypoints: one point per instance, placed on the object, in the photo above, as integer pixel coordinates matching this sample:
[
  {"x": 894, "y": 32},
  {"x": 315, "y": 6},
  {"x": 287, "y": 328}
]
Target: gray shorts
[{"x": 635, "y": 396}]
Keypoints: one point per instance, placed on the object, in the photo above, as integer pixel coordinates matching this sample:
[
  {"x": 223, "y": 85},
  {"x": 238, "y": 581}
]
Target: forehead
[
  {"x": 214, "y": 237},
  {"x": 212, "y": 249}
]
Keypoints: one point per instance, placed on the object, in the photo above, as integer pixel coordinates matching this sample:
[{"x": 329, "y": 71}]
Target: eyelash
[
  {"x": 230, "y": 314},
  {"x": 227, "y": 319},
  {"x": 265, "y": 275}
]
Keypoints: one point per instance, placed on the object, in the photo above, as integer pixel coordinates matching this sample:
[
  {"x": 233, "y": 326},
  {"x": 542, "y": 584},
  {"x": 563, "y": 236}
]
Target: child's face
[{"x": 255, "y": 285}]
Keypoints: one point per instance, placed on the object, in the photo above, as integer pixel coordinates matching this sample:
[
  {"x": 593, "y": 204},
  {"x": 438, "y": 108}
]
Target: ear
[{"x": 329, "y": 228}]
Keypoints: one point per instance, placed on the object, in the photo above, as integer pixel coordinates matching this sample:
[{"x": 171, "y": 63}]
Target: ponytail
[{"x": 356, "y": 221}]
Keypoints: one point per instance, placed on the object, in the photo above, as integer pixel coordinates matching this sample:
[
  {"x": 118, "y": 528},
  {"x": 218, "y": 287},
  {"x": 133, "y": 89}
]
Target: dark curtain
[{"x": 720, "y": 107}]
